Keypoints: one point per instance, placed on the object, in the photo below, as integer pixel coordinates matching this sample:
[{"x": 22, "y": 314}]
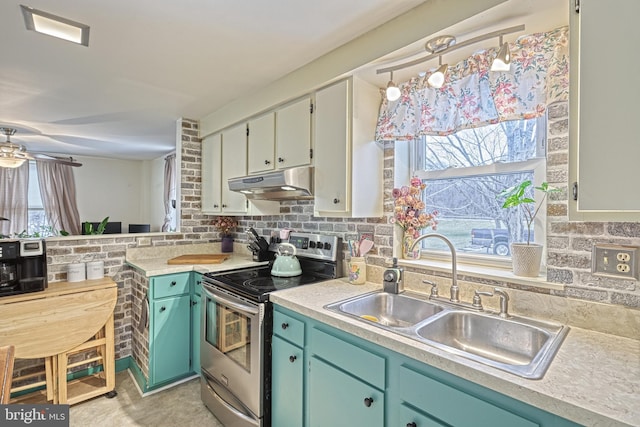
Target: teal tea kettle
[{"x": 286, "y": 264}]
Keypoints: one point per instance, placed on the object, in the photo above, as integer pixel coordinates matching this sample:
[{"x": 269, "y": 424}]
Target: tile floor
[{"x": 177, "y": 406}]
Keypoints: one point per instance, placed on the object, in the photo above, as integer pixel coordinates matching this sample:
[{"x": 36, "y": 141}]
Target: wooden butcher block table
[{"x": 63, "y": 319}]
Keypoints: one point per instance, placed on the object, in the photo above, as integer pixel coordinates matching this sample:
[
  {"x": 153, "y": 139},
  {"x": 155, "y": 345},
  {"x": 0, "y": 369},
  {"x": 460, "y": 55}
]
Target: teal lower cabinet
[
  {"x": 288, "y": 384},
  {"x": 348, "y": 381},
  {"x": 196, "y": 312},
  {"x": 171, "y": 324}
]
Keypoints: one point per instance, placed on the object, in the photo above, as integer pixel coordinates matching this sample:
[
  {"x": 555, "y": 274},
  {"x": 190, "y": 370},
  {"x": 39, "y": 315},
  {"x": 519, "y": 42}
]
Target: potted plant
[
  {"x": 224, "y": 224},
  {"x": 526, "y": 257},
  {"x": 407, "y": 213}
]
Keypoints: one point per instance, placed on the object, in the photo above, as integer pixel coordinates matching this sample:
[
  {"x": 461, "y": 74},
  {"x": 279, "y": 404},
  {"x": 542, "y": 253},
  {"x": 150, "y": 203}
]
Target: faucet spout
[{"x": 455, "y": 291}]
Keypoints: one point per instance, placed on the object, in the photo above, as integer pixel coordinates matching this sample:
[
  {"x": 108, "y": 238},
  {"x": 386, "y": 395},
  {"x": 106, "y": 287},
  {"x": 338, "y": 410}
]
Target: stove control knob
[
  {"x": 319, "y": 245},
  {"x": 327, "y": 246},
  {"x": 312, "y": 245}
]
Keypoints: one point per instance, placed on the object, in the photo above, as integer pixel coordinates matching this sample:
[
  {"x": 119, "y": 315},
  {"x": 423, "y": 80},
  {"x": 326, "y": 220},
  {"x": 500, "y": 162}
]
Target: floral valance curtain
[{"x": 473, "y": 96}]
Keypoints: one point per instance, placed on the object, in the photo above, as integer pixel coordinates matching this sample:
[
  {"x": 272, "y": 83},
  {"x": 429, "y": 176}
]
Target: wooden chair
[{"x": 7, "y": 358}]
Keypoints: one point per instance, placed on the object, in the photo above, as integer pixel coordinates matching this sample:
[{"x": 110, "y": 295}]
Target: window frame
[{"x": 537, "y": 164}]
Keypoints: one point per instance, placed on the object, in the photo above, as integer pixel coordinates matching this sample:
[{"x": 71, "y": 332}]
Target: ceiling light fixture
[
  {"x": 436, "y": 79},
  {"x": 393, "y": 91},
  {"x": 439, "y": 45},
  {"x": 56, "y": 26},
  {"x": 12, "y": 155},
  {"x": 502, "y": 62}
]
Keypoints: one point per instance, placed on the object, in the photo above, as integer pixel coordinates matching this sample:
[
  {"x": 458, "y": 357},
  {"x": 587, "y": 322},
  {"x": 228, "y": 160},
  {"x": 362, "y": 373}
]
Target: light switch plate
[{"x": 615, "y": 260}]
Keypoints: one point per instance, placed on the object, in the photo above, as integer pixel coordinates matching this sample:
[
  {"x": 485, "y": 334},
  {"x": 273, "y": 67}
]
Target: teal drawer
[
  {"x": 443, "y": 402},
  {"x": 352, "y": 359},
  {"x": 289, "y": 328},
  {"x": 169, "y": 285}
]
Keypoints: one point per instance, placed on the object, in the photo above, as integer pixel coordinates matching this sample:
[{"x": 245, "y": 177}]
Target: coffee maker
[{"x": 23, "y": 266}]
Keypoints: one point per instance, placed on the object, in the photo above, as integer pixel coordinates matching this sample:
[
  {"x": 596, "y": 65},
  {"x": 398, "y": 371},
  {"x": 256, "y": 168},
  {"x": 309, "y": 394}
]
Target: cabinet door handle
[
  {"x": 280, "y": 160},
  {"x": 216, "y": 205},
  {"x": 267, "y": 162},
  {"x": 412, "y": 424},
  {"x": 224, "y": 206},
  {"x": 336, "y": 201},
  {"x": 292, "y": 359},
  {"x": 285, "y": 325},
  {"x": 173, "y": 283},
  {"x": 368, "y": 401},
  {"x": 163, "y": 308},
  {"x": 194, "y": 302}
]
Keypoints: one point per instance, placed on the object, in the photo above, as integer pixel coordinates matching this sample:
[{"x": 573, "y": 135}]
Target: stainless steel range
[{"x": 235, "y": 348}]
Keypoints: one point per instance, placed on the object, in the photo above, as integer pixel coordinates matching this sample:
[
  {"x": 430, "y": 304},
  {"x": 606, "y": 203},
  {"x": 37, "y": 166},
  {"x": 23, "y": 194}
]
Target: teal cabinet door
[
  {"x": 287, "y": 388},
  {"x": 196, "y": 312},
  {"x": 170, "y": 338},
  {"x": 337, "y": 399}
]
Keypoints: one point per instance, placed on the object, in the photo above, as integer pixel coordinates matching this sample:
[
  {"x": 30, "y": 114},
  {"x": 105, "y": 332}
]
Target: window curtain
[
  {"x": 473, "y": 96},
  {"x": 169, "y": 191},
  {"x": 58, "y": 192},
  {"x": 14, "y": 199}
]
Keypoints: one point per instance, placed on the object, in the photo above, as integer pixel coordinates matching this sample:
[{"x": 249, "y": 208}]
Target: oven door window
[{"x": 229, "y": 330}]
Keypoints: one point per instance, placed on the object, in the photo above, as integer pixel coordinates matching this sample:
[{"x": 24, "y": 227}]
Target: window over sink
[{"x": 464, "y": 173}]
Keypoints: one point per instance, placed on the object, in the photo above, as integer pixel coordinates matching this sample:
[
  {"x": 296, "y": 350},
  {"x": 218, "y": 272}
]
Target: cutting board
[{"x": 198, "y": 259}]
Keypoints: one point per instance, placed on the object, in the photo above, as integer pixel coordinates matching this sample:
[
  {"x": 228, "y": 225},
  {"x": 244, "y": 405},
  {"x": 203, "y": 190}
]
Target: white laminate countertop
[
  {"x": 158, "y": 266},
  {"x": 593, "y": 380}
]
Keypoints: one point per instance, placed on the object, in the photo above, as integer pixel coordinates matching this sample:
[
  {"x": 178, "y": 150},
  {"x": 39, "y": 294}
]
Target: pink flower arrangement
[
  {"x": 225, "y": 224},
  {"x": 406, "y": 212}
]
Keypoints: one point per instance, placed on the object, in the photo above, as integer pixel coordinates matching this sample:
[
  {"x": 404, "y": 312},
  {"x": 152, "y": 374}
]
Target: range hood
[{"x": 285, "y": 184}]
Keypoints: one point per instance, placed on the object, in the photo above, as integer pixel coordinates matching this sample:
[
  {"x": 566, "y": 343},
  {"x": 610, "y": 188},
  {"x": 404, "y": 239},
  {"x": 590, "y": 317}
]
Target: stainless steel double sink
[{"x": 519, "y": 345}]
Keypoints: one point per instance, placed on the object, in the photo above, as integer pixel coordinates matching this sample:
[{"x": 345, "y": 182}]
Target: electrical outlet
[
  {"x": 143, "y": 241},
  {"x": 616, "y": 261}
]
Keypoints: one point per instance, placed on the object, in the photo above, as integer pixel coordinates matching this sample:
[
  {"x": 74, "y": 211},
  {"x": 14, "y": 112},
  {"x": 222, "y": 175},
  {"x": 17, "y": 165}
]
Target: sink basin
[
  {"x": 521, "y": 346},
  {"x": 385, "y": 309}
]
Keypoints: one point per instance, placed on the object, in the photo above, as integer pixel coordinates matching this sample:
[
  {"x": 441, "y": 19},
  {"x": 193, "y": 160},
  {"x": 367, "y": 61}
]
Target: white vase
[{"x": 526, "y": 259}]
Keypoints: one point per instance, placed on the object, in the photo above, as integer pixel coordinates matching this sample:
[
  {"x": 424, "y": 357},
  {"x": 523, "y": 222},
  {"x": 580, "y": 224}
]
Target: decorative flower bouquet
[
  {"x": 224, "y": 224},
  {"x": 408, "y": 206}
]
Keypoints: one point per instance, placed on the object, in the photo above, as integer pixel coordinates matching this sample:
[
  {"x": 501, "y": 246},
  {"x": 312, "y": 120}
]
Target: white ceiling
[{"x": 150, "y": 62}]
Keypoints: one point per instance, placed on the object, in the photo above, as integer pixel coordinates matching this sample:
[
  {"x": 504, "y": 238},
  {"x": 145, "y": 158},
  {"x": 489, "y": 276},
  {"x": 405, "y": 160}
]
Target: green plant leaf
[{"x": 102, "y": 226}]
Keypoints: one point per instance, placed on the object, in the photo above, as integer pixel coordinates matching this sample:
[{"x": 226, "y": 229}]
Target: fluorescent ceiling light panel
[{"x": 56, "y": 26}]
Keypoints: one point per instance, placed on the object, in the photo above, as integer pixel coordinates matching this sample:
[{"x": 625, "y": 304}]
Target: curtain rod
[{"x": 471, "y": 41}]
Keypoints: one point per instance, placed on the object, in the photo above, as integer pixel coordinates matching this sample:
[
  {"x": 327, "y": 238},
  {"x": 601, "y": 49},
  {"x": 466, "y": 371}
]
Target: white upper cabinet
[
  {"x": 262, "y": 143},
  {"x": 293, "y": 134},
  {"x": 604, "y": 142},
  {"x": 348, "y": 179},
  {"x": 211, "y": 176}
]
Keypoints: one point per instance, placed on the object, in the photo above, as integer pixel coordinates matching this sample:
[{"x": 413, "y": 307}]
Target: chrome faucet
[
  {"x": 455, "y": 291},
  {"x": 504, "y": 301}
]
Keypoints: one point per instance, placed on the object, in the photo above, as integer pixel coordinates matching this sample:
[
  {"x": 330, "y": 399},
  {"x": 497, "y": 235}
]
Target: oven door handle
[{"x": 217, "y": 296}]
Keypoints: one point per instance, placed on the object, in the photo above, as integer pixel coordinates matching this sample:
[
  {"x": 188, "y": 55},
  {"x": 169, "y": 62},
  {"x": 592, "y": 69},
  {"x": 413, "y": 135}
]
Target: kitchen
[{"x": 297, "y": 214}]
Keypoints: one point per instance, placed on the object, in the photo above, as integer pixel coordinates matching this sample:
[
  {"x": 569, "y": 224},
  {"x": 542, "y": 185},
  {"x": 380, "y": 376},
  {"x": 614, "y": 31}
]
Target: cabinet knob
[
  {"x": 280, "y": 160},
  {"x": 216, "y": 206},
  {"x": 267, "y": 162},
  {"x": 173, "y": 283},
  {"x": 336, "y": 201},
  {"x": 163, "y": 308},
  {"x": 412, "y": 424},
  {"x": 194, "y": 302},
  {"x": 292, "y": 359},
  {"x": 199, "y": 282},
  {"x": 285, "y": 325},
  {"x": 224, "y": 206},
  {"x": 368, "y": 401}
]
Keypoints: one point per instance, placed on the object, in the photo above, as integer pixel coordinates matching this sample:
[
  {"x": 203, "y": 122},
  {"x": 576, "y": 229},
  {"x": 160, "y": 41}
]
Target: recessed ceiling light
[{"x": 56, "y": 26}]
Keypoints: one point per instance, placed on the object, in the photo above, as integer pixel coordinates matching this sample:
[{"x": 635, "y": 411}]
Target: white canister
[
  {"x": 76, "y": 272},
  {"x": 95, "y": 270}
]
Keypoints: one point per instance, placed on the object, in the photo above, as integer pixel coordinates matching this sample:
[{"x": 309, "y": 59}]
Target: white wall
[
  {"x": 421, "y": 21},
  {"x": 123, "y": 190}
]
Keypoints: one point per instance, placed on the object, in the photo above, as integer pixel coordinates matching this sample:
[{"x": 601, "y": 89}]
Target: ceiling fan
[{"x": 14, "y": 155}]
